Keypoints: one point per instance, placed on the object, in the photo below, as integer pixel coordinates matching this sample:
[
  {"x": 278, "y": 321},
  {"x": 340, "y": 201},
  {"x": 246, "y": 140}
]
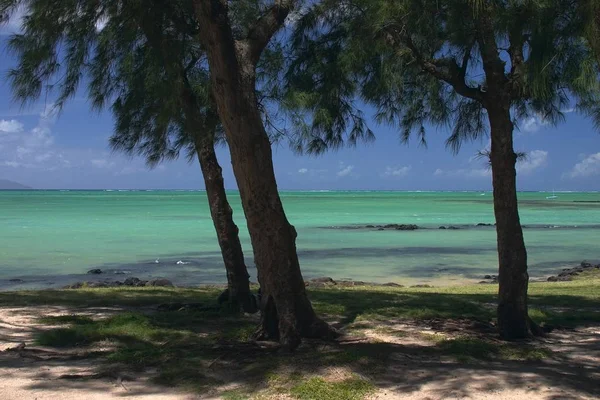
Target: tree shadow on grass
[{"x": 208, "y": 351}]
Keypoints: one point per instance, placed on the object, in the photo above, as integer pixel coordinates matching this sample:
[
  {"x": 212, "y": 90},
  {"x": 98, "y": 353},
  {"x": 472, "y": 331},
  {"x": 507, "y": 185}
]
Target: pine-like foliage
[
  {"x": 139, "y": 58},
  {"x": 418, "y": 63}
]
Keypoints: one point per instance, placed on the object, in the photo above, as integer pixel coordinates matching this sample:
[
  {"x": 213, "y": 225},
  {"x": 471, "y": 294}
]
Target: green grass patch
[
  {"x": 235, "y": 395},
  {"x": 85, "y": 331},
  {"x": 123, "y": 296},
  {"x": 319, "y": 389}
]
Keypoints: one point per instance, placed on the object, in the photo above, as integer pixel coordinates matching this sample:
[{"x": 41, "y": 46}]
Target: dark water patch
[
  {"x": 448, "y": 270},
  {"x": 371, "y": 227},
  {"x": 478, "y": 225},
  {"x": 374, "y": 252}
]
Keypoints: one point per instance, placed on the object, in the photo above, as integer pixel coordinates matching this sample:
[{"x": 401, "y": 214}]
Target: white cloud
[
  {"x": 14, "y": 23},
  {"x": 23, "y": 151},
  {"x": 43, "y": 157},
  {"x": 533, "y": 124},
  {"x": 397, "y": 171},
  {"x": 313, "y": 173},
  {"x": 345, "y": 171},
  {"x": 10, "y": 126},
  {"x": 589, "y": 166},
  {"x": 12, "y": 164},
  {"x": 536, "y": 159},
  {"x": 31, "y": 149},
  {"x": 101, "y": 23}
]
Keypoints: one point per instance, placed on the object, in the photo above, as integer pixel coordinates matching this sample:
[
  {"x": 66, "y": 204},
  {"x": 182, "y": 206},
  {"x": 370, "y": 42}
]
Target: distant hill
[{"x": 10, "y": 185}]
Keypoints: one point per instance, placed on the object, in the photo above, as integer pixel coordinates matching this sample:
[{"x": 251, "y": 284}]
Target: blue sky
[{"x": 43, "y": 150}]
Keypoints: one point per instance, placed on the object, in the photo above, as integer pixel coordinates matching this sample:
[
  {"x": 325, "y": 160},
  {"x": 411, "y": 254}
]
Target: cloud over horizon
[{"x": 589, "y": 166}]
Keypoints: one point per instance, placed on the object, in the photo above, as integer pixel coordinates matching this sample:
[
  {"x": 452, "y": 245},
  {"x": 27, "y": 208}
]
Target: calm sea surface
[{"x": 49, "y": 238}]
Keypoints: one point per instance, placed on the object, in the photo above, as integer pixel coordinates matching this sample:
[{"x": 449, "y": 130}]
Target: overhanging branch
[
  {"x": 445, "y": 69},
  {"x": 266, "y": 26}
]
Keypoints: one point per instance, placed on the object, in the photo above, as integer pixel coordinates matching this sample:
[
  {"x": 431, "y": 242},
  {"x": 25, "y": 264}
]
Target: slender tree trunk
[
  {"x": 513, "y": 319},
  {"x": 238, "y": 284},
  {"x": 287, "y": 314}
]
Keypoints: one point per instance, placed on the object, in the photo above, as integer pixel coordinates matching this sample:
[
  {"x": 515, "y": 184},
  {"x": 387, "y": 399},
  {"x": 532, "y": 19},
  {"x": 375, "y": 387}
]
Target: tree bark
[
  {"x": 513, "y": 318},
  {"x": 286, "y": 312},
  {"x": 238, "y": 285}
]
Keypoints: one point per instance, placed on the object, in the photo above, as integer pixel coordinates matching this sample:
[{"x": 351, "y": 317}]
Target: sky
[{"x": 41, "y": 149}]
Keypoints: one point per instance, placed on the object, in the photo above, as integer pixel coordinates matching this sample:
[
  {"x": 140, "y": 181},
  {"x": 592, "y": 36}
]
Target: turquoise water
[{"x": 49, "y": 237}]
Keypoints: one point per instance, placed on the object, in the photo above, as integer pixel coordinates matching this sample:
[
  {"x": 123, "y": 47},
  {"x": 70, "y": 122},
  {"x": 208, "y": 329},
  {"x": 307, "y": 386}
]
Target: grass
[
  {"x": 318, "y": 389},
  {"x": 202, "y": 350}
]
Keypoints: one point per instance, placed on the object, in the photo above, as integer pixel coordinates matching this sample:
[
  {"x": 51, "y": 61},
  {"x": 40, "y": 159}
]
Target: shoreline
[{"x": 97, "y": 278}]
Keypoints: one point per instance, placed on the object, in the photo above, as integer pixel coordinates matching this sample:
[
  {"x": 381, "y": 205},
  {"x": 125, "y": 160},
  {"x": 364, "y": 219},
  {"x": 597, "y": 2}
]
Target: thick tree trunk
[
  {"x": 287, "y": 314},
  {"x": 238, "y": 285},
  {"x": 513, "y": 319}
]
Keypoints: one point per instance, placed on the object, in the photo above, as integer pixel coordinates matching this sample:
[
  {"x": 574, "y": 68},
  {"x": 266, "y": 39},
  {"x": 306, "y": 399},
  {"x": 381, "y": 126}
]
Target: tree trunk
[
  {"x": 513, "y": 319},
  {"x": 287, "y": 314},
  {"x": 238, "y": 285}
]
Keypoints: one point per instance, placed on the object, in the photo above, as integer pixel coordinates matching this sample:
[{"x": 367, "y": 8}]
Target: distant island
[{"x": 10, "y": 185}]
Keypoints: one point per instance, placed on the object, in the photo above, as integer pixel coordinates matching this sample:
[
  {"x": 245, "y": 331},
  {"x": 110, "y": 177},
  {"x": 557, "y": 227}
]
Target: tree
[
  {"x": 161, "y": 106},
  {"x": 234, "y": 36},
  {"x": 233, "y": 55},
  {"x": 480, "y": 66},
  {"x": 164, "y": 106},
  {"x": 590, "y": 13}
]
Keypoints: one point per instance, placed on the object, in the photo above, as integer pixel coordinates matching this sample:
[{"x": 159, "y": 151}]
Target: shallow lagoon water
[{"x": 50, "y": 238}]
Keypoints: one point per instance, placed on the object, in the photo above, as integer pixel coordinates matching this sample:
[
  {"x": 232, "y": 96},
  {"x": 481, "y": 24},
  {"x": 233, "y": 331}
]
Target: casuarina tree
[
  {"x": 234, "y": 36},
  {"x": 163, "y": 104},
  {"x": 233, "y": 51},
  {"x": 148, "y": 71},
  {"x": 479, "y": 66}
]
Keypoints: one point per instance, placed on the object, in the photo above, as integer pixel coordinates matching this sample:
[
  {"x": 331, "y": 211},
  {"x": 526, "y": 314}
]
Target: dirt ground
[{"x": 573, "y": 372}]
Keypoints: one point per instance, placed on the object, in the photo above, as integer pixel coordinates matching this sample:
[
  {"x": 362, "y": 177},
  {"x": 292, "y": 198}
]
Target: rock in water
[
  {"x": 320, "y": 282},
  {"x": 95, "y": 271},
  {"x": 402, "y": 227},
  {"x": 160, "y": 282},
  {"x": 324, "y": 279},
  {"x": 132, "y": 281},
  {"x": 99, "y": 284}
]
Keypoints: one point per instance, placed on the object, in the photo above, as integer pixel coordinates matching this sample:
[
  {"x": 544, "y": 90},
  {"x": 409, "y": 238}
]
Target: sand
[{"x": 31, "y": 372}]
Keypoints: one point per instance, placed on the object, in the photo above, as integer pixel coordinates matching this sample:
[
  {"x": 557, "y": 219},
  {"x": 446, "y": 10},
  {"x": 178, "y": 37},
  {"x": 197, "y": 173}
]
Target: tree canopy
[{"x": 419, "y": 63}]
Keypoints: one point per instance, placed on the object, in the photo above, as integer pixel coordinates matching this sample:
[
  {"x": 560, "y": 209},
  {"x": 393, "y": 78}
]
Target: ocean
[{"x": 51, "y": 238}]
